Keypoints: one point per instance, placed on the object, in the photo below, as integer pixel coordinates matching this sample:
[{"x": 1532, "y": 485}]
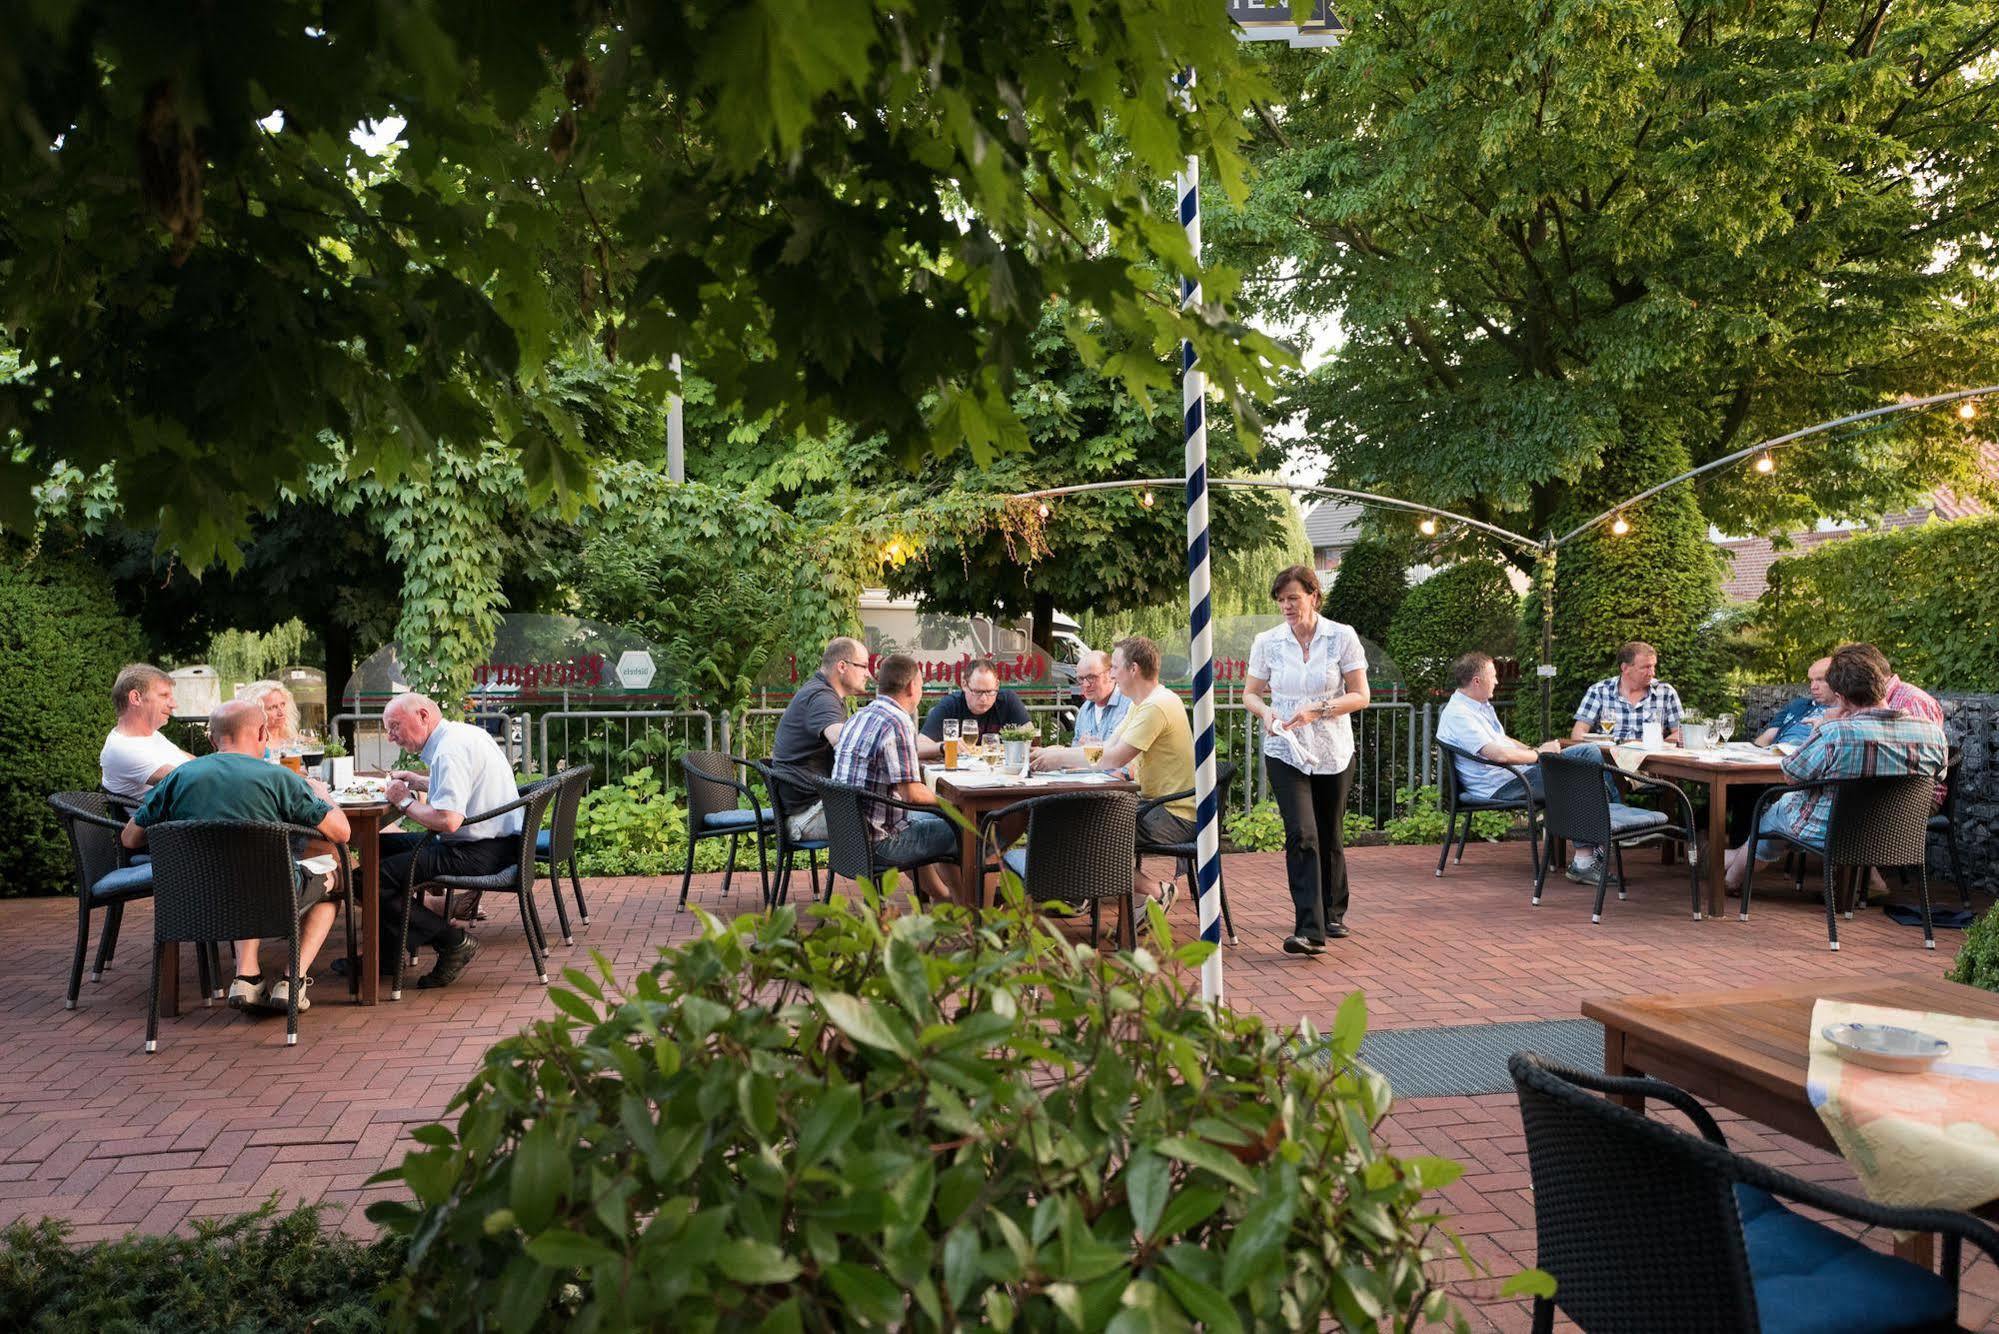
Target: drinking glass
[
  {"x": 951, "y": 742},
  {"x": 1607, "y": 725},
  {"x": 1724, "y": 727}
]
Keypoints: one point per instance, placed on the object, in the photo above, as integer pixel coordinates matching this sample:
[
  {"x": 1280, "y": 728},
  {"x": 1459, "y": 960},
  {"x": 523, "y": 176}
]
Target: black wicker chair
[
  {"x": 1456, "y": 803},
  {"x": 712, "y": 812},
  {"x": 229, "y": 880},
  {"x": 850, "y": 846},
  {"x": 1874, "y": 821},
  {"x": 1944, "y": 821},
  {"x": 556, "y": 845},
  {"x": 107, "y": 878},
  {"x": 1082, "y": 848},
  {"x": 1576, "y": 806},
  {"x": 1185, "y": 854},
  {"x": 774, "y": 775},
  {"x": 1647, "y": 1228},
  {"x": 518, "y": 879}
]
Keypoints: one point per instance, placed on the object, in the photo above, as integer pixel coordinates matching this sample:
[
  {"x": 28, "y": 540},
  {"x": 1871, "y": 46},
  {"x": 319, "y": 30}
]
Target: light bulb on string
[
  {"x": 1764, "y": 463},
  {"x": 1620, "y": 526},
  {"x": 1146, "y": 499},
  {"x": 1967, "y": 410},
  {"x": 1428, "y": 527},
  {"x": 1043, "y": 509}
]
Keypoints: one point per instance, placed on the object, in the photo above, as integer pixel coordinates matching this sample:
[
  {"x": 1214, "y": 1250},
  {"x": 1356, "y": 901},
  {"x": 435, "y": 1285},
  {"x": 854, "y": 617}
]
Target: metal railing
[
  {"x": 367, "y": 741},
  {"x": 616, "y": 742}
]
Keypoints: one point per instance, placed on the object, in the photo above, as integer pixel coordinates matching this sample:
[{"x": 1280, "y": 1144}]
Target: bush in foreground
[
  {"x": 914, "y": 1122},
  {"x": 1977, "y": 963}
]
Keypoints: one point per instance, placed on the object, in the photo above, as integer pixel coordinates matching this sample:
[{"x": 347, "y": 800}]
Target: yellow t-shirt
[{"x": 1157, "y": 728}]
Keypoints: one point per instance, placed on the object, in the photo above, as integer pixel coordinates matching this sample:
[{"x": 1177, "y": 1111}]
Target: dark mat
[{"x": 1458, "y": 1062}]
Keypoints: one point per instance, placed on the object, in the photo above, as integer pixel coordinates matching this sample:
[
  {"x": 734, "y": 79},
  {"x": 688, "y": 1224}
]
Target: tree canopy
[{"x": 851, "y": 212}]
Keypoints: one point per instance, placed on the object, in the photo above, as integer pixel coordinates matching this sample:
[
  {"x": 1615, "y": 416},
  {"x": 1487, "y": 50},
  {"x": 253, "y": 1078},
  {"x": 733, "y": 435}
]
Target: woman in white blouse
[{"x": 1306, "y": 677}]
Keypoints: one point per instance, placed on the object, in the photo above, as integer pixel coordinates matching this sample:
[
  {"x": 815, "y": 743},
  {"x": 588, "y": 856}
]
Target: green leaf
[
  {"x": 961, "y": 1263},
  {"x": 1200, "y": 1301},
  {"x": 866, "y": 1293},
  {"x": 1350, "y": 1024},
  {"x": 745, "y": 1260},
  {"x": 540, "y": 1176},
  {"x": 1208, "y": 1157},
  {"x": 1529, "y": 1283},
  {"x": 431, "y": 1175},
  {"x": 560, "y": 1248},
  {"x": 828, "y": 1125},
  {"x": 863, "y": 1023},
  {"x": 572, "y": 1005},
  {"x": 785, "y": 1318},
  {"x": 1147, "y": 1181},
  {"x": 1257, "y": 1242},
  {"x": 1193, "y": 1205}
]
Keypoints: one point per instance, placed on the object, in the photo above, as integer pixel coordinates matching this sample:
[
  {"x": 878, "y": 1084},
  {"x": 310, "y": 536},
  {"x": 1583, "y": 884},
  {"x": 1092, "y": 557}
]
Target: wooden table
[
  {"x": 1694, "y": 766},
  {"x": 974, "y": 802},
  {"x": 1749, "y": 1050}
]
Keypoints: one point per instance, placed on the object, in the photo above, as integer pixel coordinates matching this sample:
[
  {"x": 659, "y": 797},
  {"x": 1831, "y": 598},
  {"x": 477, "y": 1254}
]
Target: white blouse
[{"x": 1299, "y": 676}]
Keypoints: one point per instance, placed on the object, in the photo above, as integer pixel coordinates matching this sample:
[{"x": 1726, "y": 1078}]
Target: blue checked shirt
[
  {"x": 877, "y": 750},
  {"x": 1870, "y": 743},
  {"x": 1100, "y": 722},
  {"x": 1661, "y": 705}
]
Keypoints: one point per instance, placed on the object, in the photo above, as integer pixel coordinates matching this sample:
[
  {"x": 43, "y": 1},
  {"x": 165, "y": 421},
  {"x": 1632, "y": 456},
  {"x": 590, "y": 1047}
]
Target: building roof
[{"x": 1334, "y": 523}]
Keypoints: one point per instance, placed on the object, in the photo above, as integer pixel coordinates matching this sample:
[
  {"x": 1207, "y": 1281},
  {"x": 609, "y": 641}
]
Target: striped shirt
[
  {"x": 877, "y": 751},
  {"x": 1869, "y": 743},
  {"x": 1661, "y": 705}
]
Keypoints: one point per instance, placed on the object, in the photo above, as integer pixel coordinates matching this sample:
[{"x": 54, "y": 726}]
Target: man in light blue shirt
[
  {"x": 1795, "y": 723},
  {"x": 1104, "y": 706}
]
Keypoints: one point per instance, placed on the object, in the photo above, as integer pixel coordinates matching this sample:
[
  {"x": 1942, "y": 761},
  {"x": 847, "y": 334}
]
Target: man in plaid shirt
[
  {"x": 1863, "y": 738},
  {"x": 1631, "y": 699},
  {"x": 878, "y": 752}
]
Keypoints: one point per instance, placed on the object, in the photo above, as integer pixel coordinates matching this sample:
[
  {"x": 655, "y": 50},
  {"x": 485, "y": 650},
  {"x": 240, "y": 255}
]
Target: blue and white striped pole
[{"x": 1193, "y": 401}]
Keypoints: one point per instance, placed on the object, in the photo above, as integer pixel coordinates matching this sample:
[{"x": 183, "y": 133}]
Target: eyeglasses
[
  {"x": 849, "y": 662},
  {"x": 982, "y": 694},
  {"x": 1090, "y": 676}
]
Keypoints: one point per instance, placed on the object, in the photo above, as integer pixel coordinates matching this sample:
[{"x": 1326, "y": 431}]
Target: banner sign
[{"x": 1258, "y": 22}]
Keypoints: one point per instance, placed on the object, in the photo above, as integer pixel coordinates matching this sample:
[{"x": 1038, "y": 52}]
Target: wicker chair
[
  {"x": 1944, "y": 821},
  {"x": 1576, "y": 805},
  {"x": 1082, "y": 848},
  {"x": 105, "y": 878},
  {"x": 518, "y": 879},
  {"x": 556, "y": 844},
  {"x": 1882, "y": 820},
  {"x": 1185, "y": 854},
  {"x": 1647, "y": 1228},
  {"x": 850, "y": 844},
  {"x": 227, "y": 880},
  {"x": 712, "y": 812},
  {"x": 1455, "y": 803},
  {"x": 774, "y": 776}
]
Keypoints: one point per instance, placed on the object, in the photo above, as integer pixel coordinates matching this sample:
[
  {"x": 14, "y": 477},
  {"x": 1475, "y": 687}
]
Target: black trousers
[
  {"x": 472, "y": 856},
  {"x": 1315, "y": 856}
]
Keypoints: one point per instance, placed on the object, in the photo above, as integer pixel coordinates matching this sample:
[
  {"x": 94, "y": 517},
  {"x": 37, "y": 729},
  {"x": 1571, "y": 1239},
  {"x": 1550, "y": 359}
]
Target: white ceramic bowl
[{"x": 1886, "y": 1047}]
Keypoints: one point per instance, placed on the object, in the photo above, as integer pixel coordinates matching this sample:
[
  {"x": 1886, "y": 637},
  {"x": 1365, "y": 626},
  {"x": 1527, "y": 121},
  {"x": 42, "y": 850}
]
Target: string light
[
  {"x": 1967, "y": 410},
  {"x": 1146, "y": 500},
  {"x": 1428, "y": 527},
  {"x": 1620, "y": 526},
  {"x": 1764, "y": 463},
  {"x": 1044, "y": 509}
]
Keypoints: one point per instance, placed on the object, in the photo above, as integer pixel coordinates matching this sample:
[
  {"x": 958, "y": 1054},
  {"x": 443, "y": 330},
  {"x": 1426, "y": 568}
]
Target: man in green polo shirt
[{"x": 236, "y": 783}]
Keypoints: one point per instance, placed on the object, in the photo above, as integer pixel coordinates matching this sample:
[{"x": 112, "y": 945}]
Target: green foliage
[
  {"x": 637, "y": 826},
  {"x": 919, "y": 1123},
  {"x": 62, "y": 642},
  {"x": 1369, "y": 587},
  {"x": 242, "y": 656},
  {"x": 1469, "y": 605},
  {"x": 1977, "y": 962},
  {"x": 1261, "y": 828},
  {"x": 1422, "y": 820},
  {"x": 259, "y": 1270},
  {"x": 1928, "y": 597}
]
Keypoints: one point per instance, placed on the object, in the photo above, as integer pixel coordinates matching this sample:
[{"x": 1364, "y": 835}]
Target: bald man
[{"x": 1104, "y": 705}]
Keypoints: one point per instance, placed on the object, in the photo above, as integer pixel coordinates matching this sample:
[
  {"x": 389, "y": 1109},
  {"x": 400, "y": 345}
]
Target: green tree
[
  {"x": 1568, "y": 243},
  {"x": 1470, "y": 605},
  {"x": 1369, "y": 586},
  {"x": 855, "y": 213}
]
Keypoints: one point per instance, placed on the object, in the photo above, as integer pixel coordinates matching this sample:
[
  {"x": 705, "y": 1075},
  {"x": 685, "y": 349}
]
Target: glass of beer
[
  {"x": 1093, "y": 750},
  {"x": 950, "y": 743}
]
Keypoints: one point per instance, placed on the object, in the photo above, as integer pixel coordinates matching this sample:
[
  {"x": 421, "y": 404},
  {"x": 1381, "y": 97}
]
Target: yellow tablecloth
[{"x": 1929, "y": 1139}]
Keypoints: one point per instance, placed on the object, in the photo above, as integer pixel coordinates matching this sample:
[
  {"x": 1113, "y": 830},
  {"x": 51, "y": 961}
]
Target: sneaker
[
  {"x": 1584, "y": 873},
  {"x": 450, "y": 963},
  {"x": 280, "y": 994},
  {"x": 246, "y": 993},
  {"x": 1169, "y": 894}
]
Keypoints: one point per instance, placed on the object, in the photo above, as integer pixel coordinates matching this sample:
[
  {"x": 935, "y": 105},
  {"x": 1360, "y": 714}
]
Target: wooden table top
[
  {"x": 1017, "y": 789},
  {"x": 1762, "y": 1036},
  {"x": 1675, "y": 761}
]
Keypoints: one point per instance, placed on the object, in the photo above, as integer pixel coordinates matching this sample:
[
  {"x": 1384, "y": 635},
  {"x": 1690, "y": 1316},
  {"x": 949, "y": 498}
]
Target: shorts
[{"x": 926, "y": 838}]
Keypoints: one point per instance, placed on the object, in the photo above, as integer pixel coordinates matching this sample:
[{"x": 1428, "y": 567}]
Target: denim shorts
[{"x": 926, "y": 838}]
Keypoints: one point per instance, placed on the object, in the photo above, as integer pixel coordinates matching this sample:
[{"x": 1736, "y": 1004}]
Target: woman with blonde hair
[{"x": 280, "y": 712}]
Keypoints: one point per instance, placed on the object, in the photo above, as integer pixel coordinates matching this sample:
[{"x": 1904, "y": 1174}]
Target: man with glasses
[
  {"x": 1104, "y": 705},
  {"x": 979, "y": 708},
  {"x": 810, "y": 730}
]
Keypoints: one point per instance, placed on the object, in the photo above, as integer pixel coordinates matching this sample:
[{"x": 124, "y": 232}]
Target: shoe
[
  {"x": 450, "y": 963},
  {"x": 1584, "y": 873},
  {"x": 1303, "y": 945},
  {"x": 279, "y": 996},
  {"x": 1337, "y": 931},
  {"x": 1169, "y": 894},
  {"x": 246, "y": 993}
]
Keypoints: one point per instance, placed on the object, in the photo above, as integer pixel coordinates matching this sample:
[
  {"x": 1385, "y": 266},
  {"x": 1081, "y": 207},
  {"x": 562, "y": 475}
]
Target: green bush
[
  {"x": 1423, "y": 820},
  {"x": 1369, "y": 586},
  {"x": 638, "y": 827},
  {"x": 1978, "y": 961},
  {"x": 257, "y": 1271},
  {"x": 1928, "y": 597},
  {"x": 62, "y": 642},
  {"x": 912, "y": 1123},
  {"x": 1261, "y": 828},
  {"x": 1470, "y": 605}
]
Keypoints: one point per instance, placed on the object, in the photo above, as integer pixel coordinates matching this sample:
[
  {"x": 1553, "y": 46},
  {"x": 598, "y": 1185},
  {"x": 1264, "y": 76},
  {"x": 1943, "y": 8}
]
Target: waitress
[{"x": 1306, "y": 677}]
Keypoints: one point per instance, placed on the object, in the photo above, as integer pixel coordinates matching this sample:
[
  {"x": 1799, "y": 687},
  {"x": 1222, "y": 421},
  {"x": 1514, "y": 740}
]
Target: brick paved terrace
[{"x": 95, "y": 1132}]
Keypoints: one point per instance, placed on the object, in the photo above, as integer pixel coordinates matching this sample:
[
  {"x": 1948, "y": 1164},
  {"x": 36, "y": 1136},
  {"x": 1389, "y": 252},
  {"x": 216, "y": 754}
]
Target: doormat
[{"x": 1471, "y": 1059}]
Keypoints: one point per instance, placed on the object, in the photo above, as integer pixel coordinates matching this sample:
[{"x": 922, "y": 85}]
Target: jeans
[
  {"x": 926, "y": 838},
  {"x": 1588, "y": 752},
  {"x": 471, "y": 856},
  {"x": 1313, "y": 807}
]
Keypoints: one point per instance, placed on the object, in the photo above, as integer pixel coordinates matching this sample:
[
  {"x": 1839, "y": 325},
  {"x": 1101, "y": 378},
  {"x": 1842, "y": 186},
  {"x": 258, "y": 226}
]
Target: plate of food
[
  {"x": 363, "y": 792},
  {"x": 1886, "y": 1047}
]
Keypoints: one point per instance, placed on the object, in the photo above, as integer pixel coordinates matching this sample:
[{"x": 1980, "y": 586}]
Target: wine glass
[
  {"x": 1724, "y": 727},
  {"x": 1607, "y": 724}
]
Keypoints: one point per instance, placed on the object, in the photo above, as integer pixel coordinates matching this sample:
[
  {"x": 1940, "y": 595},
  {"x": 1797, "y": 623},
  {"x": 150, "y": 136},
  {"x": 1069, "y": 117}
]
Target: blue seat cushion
[
  {"x": 738, "y": 819},
  {"x": 127, "y": 882},
  {"x": 1631, "y": 819},
  {"x": 1015, "y": 860},
  {"x": 1810, "y": 1279},
  {"x": 543, "y": 841},
  {"x": 142, "y": 859}
]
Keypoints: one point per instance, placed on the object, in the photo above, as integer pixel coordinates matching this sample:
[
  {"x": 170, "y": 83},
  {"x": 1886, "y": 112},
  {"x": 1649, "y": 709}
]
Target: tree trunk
[{"x": 1043, "y": 625}]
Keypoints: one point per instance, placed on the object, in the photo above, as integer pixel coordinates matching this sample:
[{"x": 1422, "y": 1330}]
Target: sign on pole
[{"x": 635, "y": 669}]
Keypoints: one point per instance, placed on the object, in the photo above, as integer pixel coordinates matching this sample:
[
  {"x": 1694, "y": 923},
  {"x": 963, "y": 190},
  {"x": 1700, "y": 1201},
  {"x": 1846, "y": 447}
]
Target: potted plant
[
  {"x": 1019, "y": 739},
  {"x": 338, "y": 770}
]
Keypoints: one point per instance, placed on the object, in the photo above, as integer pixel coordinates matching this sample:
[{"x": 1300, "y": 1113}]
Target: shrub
[
  {"x": 1423, "y": 820},
  {"x": 638, "y": 827},
  {"x": 1927, "y": 596},
  {"x": 256, "y": 1271},
  {"x": 1370, "y": 584},
  {"x": 1470, "y": 605},
  {"x": 911, "y": 1123},
  {"x": 1261, "y": 828},
  {"x": 1978, "y": 961},
  {"x": 62, "y": 642}
]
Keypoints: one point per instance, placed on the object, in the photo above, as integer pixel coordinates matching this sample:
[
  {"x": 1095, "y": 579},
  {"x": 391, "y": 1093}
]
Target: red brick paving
[{"x": 95, "y": 1132}]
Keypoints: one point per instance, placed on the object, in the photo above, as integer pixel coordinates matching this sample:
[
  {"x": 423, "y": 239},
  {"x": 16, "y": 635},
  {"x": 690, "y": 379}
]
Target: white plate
[{"x": 1886, "y": 1047}]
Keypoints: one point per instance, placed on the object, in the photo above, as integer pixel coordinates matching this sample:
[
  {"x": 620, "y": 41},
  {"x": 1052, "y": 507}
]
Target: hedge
[
  {"x": 62, "y": 642},
  {"x": 1470, "y": 605},
  {"x": 1370, "y": 584},
  {"x": 1928, "y": 597}
]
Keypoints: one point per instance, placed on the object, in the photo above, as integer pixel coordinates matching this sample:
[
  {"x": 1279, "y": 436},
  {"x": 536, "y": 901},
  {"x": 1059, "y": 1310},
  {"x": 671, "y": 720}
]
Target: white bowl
[{"x": 1886, "y": 1047}]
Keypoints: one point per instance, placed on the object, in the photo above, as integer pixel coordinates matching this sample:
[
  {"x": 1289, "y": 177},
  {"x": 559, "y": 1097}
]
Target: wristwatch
[{"x": 406, "y": 802}]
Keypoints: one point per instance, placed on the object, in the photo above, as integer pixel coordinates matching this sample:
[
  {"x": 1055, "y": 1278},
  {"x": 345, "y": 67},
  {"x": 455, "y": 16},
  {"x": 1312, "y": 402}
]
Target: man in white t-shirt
[{"x": 136, "y": 753}]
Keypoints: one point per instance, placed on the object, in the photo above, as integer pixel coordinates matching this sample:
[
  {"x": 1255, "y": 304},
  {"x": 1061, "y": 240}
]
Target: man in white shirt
[
  {"x": 468, "y": 775},
  {"x": 136, "y": 753}
]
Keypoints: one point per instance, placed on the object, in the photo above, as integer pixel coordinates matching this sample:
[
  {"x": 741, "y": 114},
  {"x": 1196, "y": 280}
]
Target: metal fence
[
  {"x": 617, "y": 742},
  {"x": 368, "y": 742}
]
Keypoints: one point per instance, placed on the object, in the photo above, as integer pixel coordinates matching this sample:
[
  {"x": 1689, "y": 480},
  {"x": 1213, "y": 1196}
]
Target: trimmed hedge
[
  {"x": 1470, "y": 605},
  {"x": 1928, "y": 597},
  {"x": 1370, "y": 584},
  {"x": 62, "y": 642}
]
